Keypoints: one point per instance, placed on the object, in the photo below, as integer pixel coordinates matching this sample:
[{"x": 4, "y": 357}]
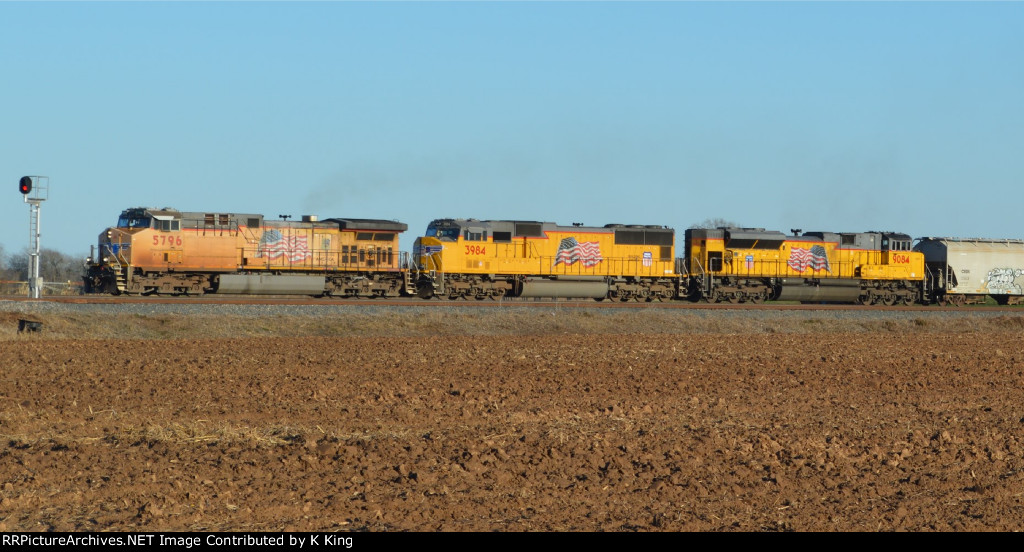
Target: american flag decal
[
  {"x": 571, "y": 251},
  {"x": 815, "y": 258},
  {"x": 274, "y": 245}
]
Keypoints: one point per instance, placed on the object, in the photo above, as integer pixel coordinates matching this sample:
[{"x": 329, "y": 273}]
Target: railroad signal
[{"x": 38, "y": 186}]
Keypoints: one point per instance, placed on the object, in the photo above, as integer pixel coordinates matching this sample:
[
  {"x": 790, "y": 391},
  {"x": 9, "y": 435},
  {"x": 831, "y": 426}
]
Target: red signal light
[{"x": 25, "y": 184}]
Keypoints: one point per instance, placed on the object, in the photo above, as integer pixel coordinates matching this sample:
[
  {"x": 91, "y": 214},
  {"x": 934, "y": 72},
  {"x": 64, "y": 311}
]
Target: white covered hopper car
[{"x": 966, "y": 270}]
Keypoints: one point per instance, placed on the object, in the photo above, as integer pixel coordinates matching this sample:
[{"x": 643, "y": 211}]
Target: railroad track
[{"x": 517, "y": 302}]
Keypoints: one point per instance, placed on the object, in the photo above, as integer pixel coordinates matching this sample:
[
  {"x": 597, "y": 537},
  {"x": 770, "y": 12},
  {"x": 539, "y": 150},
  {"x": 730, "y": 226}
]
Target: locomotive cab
[
  {"x": 896, "y": 242},
  {"x": 116, "y": 246},
  {"x": 444, "y": 229}
]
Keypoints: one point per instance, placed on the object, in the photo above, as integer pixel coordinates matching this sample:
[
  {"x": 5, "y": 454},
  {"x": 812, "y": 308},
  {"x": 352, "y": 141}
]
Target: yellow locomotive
[
  {"x": 463, "y": 258},
  {"x": 174, "y": 252},
  {"x": 744, "y": 264}
]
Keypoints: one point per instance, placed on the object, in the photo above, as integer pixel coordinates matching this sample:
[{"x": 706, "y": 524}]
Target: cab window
[
  {"x": 133, "y": 222},
  {"x": 451, "y": 234},
  {"x": 168, "y": 225}
]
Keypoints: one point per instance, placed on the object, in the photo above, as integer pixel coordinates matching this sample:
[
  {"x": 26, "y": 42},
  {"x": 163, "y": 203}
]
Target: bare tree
[
  {"x": 713, "y": 223},
  {"x": 17, "y": 266},
  {"x": 54, "y": 266},
  {"x": 6, "y": 273}
]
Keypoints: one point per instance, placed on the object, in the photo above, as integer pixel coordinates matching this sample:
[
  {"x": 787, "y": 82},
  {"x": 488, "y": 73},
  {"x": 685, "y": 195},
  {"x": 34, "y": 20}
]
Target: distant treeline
[{"x": 54, "y": 266}]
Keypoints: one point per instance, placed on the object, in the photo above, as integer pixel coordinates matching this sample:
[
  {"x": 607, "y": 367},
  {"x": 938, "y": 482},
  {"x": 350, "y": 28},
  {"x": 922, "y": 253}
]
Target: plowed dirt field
[{"x": 906, "y": 424}]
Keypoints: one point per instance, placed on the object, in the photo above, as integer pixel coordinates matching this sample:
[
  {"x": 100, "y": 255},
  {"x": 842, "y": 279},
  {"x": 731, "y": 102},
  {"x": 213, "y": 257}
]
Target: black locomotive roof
[
  {"x": 897, "y": 236},
  {"x": 740, "y": 238},
  {"x": 152, "y": 211},
  {"x": 753, "y": 238},
  {"x": 369, "y": 224},
  {"x": 174, "y": 213},
  {"x": 343, "y": 223},
  {"x": 545, "y": 226}
]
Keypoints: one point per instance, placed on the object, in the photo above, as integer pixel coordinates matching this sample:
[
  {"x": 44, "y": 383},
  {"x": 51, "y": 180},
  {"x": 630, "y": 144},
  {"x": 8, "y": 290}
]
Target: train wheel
[
  {"x": 425, "y": 290},
  {"x": 889, "y": 300},
  {"x": 757, "y": 298}
]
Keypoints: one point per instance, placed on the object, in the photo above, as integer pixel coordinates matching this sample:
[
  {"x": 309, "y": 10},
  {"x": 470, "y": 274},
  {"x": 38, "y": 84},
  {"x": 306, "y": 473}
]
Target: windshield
[
  {"x": 444, "y": 233},
  {"x": 126, "y": 221}
]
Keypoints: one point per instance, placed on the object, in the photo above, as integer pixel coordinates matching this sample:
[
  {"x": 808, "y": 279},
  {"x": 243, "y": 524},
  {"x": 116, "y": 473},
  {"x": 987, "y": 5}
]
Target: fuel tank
[{"x": 814, "y": 291}]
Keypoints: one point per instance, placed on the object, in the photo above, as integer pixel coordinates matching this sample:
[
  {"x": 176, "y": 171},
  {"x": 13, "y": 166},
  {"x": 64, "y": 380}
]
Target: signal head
[{"x": 25, "y": 184}]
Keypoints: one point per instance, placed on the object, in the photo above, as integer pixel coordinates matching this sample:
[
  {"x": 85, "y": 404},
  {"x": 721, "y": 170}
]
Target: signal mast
[{"x": 34, "y": 190}]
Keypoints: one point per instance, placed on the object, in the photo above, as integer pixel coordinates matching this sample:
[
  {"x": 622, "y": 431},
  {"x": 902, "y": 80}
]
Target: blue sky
[{"x": 840, "y": 116}]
